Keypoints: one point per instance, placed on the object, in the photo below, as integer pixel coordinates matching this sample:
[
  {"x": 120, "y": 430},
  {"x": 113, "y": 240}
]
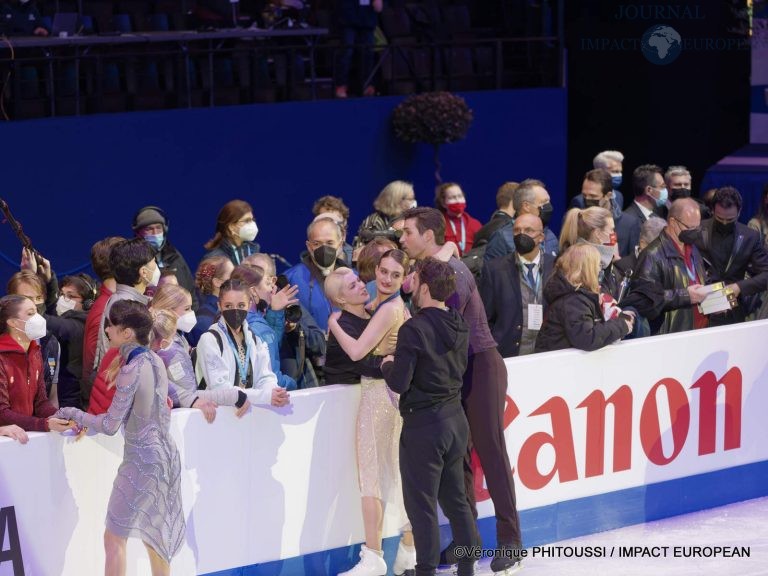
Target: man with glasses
[
  {"x": 673, "y": 262},
  {"x": 734, "y": 254},
  {"x": 651, "y": 198}
]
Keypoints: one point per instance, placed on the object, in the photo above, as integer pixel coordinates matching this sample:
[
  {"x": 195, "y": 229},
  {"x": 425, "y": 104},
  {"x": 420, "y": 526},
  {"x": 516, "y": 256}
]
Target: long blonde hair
[
  {"x": 580, "y": 223},
  {"x": 580, "y": 265}
]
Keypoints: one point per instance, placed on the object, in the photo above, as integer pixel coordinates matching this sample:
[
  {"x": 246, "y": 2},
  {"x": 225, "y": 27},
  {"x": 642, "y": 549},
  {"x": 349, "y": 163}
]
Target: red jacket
[
  {"x": 471, "y": 227},
  {"x": 22, "y": 387},
  {"x": 101, "y": 395},
  {"x": 91, "y": 335}
]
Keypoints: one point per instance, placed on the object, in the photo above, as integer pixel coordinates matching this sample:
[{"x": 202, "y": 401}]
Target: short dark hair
[
  {"x": 83, "y": 284},
  {"x": 133, "y": 315},
  {"x": 100, "y": 256},
  {"x": 233, "y": 285},
  {"x": 602, "y": 177},
  {"x": 330, "y": 203},
  {"x": 369, "y": 257},
  {"x": 727, "y": 196},
  {"x": 126, "y": 259},
  {"x": 505, "y": 194},
  {"x": 428, "y": 219},
  {"x": 438, "y": 276},
  {"x": 643, "y": 177}
]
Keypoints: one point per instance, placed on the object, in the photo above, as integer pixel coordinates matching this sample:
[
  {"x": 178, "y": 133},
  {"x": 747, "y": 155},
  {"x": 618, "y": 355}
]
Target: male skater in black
[
  {"x": 483, "y": 394},
  {"x": 426, "y": 371}
]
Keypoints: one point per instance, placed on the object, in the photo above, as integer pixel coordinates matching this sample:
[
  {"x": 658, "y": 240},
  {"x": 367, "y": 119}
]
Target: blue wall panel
[{"x": 72, "y": 181}]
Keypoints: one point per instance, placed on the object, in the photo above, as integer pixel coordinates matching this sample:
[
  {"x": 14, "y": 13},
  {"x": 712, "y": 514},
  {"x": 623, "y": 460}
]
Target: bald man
[
  {"x": 511, "y": 289},
  {"x": 673, "y": 262}
]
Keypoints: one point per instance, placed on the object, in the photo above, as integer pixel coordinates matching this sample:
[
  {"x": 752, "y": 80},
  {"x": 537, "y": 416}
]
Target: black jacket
[
  {"x": 502, "y": 297},
  {"x": 748, "y": 256},
  {"x": 628, "y": 229},
  {"x": 574, "y": 319},
  {"x": 662, "y": 264},
  {"x": 170, "y": 258},
  {"x": 430, "y": 361},
  {"x": 69, "y": 330},
  {"x": 498, "y": 220}
]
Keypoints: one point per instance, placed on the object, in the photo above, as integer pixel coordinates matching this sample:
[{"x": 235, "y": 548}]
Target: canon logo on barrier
[{"x": 622, "y": 401}]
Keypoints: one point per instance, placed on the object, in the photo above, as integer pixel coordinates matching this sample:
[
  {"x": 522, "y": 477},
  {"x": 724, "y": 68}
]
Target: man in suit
[
  {"x": 511, "y": 289},
  {"x": 731, "y": 250},
  {"x": 650, "y": 196}
]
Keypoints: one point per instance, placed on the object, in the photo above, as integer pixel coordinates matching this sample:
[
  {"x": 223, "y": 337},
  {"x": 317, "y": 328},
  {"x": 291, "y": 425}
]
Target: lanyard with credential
[
  {"x": 463, "y": 241},
  {"x": 537, "y": 286},
  {"x": 242, "y": 365},
  {"x": 691, "y": 270}
]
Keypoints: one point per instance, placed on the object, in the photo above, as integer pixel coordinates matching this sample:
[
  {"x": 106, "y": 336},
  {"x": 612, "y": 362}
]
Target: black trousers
[
  {"x": 484, "y": 394},
  {"x": 431, "y": 467}
]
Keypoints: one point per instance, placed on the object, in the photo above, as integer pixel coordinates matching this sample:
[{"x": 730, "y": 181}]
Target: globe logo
[{"x": 661, "y": 45}]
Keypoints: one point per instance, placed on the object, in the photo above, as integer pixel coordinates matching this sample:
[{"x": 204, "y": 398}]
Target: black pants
[
  {"x": 484, "y": 394},
  {"x": 431, "y": 462}
]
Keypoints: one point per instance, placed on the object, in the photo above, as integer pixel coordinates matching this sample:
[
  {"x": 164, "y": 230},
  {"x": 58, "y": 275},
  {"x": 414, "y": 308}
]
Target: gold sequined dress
[{"x": 378, "y": 432}]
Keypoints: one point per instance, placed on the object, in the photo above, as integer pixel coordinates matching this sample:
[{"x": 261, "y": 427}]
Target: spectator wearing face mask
[
  {"x": 211, "y": 274},
  {"x": 531, "y": 197},
  {"x": 334, "y": 207},
  {"x": 597, "y": 190},
  {"x": 236, "y": 230},
  {"x": 613, "y": 162},
  {"x": 651, "y": 197},
  {"x": 320, "y": 259},
  {"x": 27, "y": 283},
  {"x": 23, "y": 401},
  {"x": 460, "y": 227},
  {"x": 394, "y": 199},
  {"x": 733, "y": 253},
  {"x": 674, "y": 263},
  {"x": 575, "y": 318},
  {"x": 151, "y": 223}
]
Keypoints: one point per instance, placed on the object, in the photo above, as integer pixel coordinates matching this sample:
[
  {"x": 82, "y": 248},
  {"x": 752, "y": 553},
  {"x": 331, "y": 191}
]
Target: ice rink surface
[{"x": 718, "y": 533}]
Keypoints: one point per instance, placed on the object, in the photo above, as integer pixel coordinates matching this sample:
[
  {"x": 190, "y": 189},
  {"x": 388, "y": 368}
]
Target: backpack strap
[{"x": 193, "y": 354}]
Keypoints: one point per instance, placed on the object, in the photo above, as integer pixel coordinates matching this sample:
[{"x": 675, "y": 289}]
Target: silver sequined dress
[{"x": 146, "y": 495}]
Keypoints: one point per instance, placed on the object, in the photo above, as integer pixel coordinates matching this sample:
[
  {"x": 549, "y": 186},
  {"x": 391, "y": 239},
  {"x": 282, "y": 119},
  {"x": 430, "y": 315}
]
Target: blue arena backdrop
[{"x": 73, "y": 181}]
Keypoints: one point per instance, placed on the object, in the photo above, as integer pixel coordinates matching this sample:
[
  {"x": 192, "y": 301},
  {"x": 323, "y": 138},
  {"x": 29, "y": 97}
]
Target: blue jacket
[
  {"x": 311, "y": 293},
  {"x": 502, "y": 242},
  {"x": 206, "y": 315},
  {"x": 270, "y": 331}
]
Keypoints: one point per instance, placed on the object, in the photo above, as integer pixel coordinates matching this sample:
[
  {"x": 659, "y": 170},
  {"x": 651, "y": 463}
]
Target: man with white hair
[{"x": 613, "y": 161}]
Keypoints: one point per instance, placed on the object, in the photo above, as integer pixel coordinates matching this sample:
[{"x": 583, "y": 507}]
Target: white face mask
[
  {"x": 186, "y": 321},
  {"x": 64, "y": 304},
  {"x": 155, "y": 277},
  {"x": 248, "y": 231},
  {"x": 35, "y": 327}
]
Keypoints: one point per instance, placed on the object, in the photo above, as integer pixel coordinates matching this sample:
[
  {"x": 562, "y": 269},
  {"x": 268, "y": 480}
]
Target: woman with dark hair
[
  {"x": 229, "y": 356},
  {"x": 460, "y": 227},
  {"x": 146, "y": 496},
  {"x": 372, "y": 332},
  {"x": 236, "y": 231},
  {"x": 759, "y": 221},
  {"x": 23, "y": 401}
]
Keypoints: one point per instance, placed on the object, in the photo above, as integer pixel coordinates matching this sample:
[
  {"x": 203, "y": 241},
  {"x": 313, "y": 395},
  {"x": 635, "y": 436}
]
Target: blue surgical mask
[
  {"x": 616, "y": 180},
  {"x": 155, "y": 240},
  {"x": 662, "y": 199}
]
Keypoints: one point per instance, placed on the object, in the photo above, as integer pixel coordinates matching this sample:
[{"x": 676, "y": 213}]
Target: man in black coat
[
  {"x": 506, "y": 283},
  {"x": 650, "y": 196},
  {"x": 151, "y": 224},
  {"x": 733, "y": 253}
]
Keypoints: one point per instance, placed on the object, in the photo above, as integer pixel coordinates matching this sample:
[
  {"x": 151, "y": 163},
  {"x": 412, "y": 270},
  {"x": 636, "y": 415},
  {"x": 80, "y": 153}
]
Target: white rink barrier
[{"x": 657, "y": 415}]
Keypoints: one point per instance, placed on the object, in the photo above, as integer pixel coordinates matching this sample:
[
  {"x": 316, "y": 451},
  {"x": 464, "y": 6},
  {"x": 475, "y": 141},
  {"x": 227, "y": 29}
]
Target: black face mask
[
  {"x": 324, "y": 256},
  {"x": 234, "y": 317},
  {"x": 678, "y": 193},
  {"x": 689, "y": 236},
  {"x": 545, "y": 213},
  {"x": 524, "y": 243},
  {"x": 591, "y": 202},
  {"x": 723, "y": 229}
]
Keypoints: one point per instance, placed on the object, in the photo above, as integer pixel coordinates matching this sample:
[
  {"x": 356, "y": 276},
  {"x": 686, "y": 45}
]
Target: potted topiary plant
[{"x": 434, "y": 118}]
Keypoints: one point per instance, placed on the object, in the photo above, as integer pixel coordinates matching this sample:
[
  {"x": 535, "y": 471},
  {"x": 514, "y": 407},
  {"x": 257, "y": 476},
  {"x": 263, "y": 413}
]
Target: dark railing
[{"x": 160, "y": 70}]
